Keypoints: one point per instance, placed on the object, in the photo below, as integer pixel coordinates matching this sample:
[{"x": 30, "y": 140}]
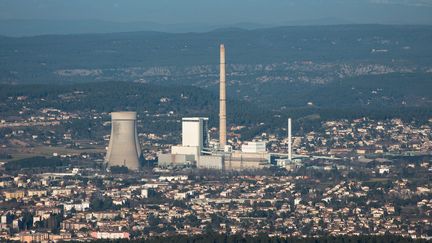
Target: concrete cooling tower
[{"x": 124, "y": 148}]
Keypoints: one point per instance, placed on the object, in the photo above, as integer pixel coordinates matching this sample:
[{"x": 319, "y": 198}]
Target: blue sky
[{"x": 221, "y": 11}]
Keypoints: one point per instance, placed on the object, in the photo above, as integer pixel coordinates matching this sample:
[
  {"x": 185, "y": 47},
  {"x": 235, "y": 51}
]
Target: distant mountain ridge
[{"x": 22, "y": 27}]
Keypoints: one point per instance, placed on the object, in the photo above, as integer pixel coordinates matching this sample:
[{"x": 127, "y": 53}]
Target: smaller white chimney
[{"x": 289, "y": 140}]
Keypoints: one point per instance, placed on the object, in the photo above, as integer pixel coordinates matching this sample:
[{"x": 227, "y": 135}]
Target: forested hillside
[
  {"x": 160, "y": 108},
  {"x": 309, "y": 73}
]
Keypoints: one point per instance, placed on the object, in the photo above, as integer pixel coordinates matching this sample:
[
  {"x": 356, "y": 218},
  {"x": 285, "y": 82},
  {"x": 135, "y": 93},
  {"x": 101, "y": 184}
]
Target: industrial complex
[{"x": 195, "y": 150}]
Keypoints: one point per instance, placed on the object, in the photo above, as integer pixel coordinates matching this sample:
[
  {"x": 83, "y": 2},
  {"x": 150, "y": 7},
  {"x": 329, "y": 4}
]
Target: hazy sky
[{"x": 221, "y": 11}]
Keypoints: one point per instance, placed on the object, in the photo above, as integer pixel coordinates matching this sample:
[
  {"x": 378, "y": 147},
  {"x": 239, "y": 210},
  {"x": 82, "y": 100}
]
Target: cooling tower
[
  {"x": 124, "y": 148},
  {"x": 222, "y": 100}
]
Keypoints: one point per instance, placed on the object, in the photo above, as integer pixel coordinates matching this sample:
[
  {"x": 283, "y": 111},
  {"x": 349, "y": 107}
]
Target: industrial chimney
[
  {"x": 124, "y": 148},
  {"x": 289, "y": 140},
  {"x": 222, "y": 100}
]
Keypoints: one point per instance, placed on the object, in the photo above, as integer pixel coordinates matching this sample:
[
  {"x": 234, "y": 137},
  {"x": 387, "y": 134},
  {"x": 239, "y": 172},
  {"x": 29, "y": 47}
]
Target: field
[{"x": 22, "y": 153}]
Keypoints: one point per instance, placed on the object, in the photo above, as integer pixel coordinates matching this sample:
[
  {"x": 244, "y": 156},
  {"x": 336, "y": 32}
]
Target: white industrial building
[
  {"x": 195, "y": 132},
  {"x": 254, "y": 147},
  {"x": 194, "y": 139}
]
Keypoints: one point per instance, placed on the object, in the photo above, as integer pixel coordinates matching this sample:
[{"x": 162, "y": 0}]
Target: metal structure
[{"x": 124, "y": 148}]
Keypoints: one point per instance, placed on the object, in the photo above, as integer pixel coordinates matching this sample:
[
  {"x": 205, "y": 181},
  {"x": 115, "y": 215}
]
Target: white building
[
  {"x": 254, "y": 147},
  {"x": 78, "y": 206},
  {"x": 195, "y": 132},
  {"x": 194, "y": 139},
  {"x": 110, "y": 235}
]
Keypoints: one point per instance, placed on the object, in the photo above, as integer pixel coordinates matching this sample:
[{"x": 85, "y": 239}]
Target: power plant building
[
  {"x": 194, "y": 140},
  {"x": 211, "y": 162},
  {"x": 195, "y": 132},
  {"x": 234, "y": 161},
  {"x": 254, "y": 147},
  {"x": 195, "y": 150},
  {"x": 239, "y": 160},
  {"x": 124, "y": 148}
]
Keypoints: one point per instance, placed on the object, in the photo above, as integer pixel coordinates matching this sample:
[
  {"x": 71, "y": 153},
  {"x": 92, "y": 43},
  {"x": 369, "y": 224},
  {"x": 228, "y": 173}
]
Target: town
[
  {"x": 66, "y": 177},
  {"x": 354, "y": 177}
]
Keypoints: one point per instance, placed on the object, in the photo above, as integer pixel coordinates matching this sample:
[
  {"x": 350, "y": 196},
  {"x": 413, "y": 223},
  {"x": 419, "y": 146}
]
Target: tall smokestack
[
  {"x": 222, "y": 100},
  {"x": 289, "y": 140}
]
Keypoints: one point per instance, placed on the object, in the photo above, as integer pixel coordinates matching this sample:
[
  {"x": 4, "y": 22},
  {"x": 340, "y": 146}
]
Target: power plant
[
  {"x": 195, "y": 151},
  {"x": 124, "y": 148},
  {"x": 195, "y": 139}
]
